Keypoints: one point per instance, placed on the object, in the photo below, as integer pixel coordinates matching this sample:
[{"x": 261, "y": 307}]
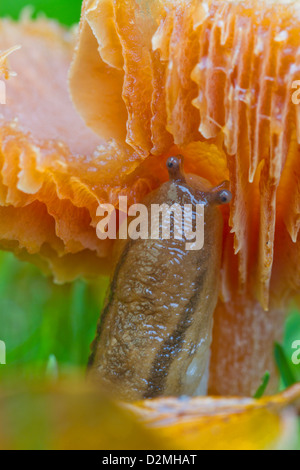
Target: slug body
[{"x": 156, "y": 327}]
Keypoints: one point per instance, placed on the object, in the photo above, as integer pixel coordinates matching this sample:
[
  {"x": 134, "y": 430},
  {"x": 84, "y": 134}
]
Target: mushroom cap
[{"x": 49, "y": 160}]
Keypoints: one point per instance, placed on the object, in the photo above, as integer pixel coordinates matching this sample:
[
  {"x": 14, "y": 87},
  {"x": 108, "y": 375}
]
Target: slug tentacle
[
  {"x": 175, "y": 169},
  {"x": 155, "y": 333},
  {"x": 219, "y": 197}
]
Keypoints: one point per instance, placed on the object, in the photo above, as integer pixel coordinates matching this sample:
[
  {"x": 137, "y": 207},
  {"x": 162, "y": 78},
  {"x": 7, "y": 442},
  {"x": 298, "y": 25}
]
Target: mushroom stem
[{"x": 243, "y": 347}]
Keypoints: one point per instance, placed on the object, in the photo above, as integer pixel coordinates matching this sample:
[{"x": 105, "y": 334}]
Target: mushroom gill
[{"x": 211, "y": 80}]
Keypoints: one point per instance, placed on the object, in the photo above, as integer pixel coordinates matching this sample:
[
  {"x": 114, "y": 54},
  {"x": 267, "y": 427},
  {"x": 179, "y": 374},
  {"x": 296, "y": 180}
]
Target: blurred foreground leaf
[
  {"x": 225, "y": 423},
  {"x": 73, "y": 415},
  {"x": 68, "y": 416}
]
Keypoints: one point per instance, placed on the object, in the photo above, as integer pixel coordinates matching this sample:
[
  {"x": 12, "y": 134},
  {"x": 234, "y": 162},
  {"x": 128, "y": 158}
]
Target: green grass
[
  {"x": 66, "y": 11},
  {"x": 39, "y": 319}
]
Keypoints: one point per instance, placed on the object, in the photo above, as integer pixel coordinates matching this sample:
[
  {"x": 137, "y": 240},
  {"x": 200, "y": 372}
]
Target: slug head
[{"x": 218, "y": 195}]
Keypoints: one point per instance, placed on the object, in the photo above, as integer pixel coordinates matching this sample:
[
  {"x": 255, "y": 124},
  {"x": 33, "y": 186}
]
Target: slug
[{"x": 155, "y": 331}]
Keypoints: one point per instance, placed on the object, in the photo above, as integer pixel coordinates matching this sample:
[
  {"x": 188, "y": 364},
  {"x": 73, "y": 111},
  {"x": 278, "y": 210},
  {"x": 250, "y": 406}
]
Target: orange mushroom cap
[{"x": 49, "y": 160}]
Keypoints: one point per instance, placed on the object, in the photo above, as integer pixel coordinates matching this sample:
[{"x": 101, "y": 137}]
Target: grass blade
[{"x": 262, "y": 388}]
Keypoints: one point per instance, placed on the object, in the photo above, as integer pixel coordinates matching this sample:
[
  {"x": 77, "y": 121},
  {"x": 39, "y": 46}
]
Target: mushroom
[{"x": 211, "y": 80}]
